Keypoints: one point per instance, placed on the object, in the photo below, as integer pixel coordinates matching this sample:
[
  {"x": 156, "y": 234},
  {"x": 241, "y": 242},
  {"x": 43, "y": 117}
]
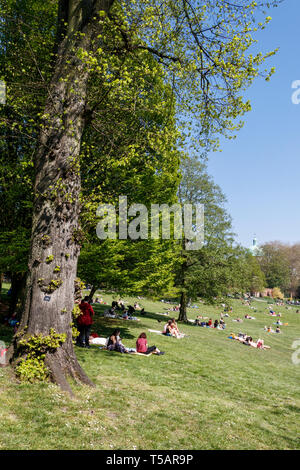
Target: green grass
[{"x": 206, "y": 392}]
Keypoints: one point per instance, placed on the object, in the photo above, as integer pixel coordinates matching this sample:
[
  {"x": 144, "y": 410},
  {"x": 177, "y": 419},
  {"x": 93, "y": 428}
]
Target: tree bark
[
  {"x": 92, "y": 292},
  {"x": 183, "y": 304},
  {"x": 183, "y": 299},
  {"x": 55, "y": 242}
]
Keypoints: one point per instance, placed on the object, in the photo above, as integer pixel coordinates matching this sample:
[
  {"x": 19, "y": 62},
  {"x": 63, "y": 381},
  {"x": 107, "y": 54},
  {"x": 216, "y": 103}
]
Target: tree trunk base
[{"x": 62, "y": 365}]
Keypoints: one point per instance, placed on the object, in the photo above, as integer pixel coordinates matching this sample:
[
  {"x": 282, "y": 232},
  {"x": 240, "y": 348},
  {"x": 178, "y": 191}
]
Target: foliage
[
  {"x": 76, "y": 312},
  {"x": 207, "y": 272},
  {"x": 26, "y": 39},
  {"x": 254, "y": 278},
  {"x": 274, "y": 263},
  {"x": 31, "y": 368},
  {"x": 188, "y": 58},
  {"x": 277, "y": 294}
]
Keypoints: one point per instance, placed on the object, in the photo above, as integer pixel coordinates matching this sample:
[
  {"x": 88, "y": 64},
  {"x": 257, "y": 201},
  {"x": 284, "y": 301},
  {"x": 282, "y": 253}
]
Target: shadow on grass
[{"x": 104, "y": 326}]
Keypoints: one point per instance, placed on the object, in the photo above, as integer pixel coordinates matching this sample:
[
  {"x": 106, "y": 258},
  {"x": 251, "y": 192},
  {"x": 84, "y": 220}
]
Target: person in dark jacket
[{"x": 84, "y": 322}]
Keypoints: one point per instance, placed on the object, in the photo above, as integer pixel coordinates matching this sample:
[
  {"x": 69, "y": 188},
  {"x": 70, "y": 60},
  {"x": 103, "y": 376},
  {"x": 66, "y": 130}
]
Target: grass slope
[{"x": 206, "y": 392}]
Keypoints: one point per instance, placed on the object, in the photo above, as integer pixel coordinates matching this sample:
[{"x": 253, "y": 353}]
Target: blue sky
[{"x": 259, "y": 171}]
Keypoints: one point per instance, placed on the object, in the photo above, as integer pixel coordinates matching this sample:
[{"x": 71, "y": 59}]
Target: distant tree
[
  {"x": 254, "y": 277},
  {"x": 293, "y": 254},
  {"x": 277, "y": 294},
  {"x": 202, "y": 272},
  {"x": 275, "y": 265}
]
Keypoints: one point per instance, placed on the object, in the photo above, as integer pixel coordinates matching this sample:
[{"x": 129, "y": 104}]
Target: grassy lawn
[{"x": 206, "y": 392}]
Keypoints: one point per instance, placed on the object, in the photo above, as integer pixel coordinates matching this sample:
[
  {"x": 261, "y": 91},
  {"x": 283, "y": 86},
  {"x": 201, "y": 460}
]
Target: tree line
[{"x": 280, "y": 263}]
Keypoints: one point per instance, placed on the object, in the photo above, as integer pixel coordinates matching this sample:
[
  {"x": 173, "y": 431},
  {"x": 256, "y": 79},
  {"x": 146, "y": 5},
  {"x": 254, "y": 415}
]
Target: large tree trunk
[
  {"x": 183, "y": 299},
  {"x": 92, "y": 292},
  {"x": 55, "y": 232},
  {"x": 183, "y": 304}
]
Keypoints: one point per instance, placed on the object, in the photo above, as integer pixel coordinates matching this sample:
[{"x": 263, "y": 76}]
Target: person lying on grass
[
  {"x": 142, "y": 346},
  {"x": 261, "y": 344},
  {"x": 248, "y": 341}
]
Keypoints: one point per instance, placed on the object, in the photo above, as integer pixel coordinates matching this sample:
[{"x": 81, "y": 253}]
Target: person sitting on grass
[
  {"x": 114, "y": 342},
  {"x": 130, "y": 309},
  {"x": 209, "y": 323},
  {"x": 175, "y": 329},
  {"x": 142, "y": 346},
  {"x": 168, "y": 330},
  {"x": 216, "y": 324}
]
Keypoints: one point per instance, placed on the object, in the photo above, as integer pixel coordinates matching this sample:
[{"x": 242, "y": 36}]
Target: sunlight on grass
[{"x": 206, "y": 392}]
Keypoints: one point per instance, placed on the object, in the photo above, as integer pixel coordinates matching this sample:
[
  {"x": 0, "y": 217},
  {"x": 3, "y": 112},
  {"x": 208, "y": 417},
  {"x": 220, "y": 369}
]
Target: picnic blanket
[
  {"x": 100, "y": 341},
  {"x": 131, "y": 353}
]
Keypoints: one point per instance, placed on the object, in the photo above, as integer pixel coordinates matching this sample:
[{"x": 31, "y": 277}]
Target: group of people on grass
[
  {"x": 114, "y": 343},
  {"x": 118, "y": 310},
  {"x": 219, "y": 324},
  {"x": 171, "y": 329},
  {"x": 269, "y": 329}
]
